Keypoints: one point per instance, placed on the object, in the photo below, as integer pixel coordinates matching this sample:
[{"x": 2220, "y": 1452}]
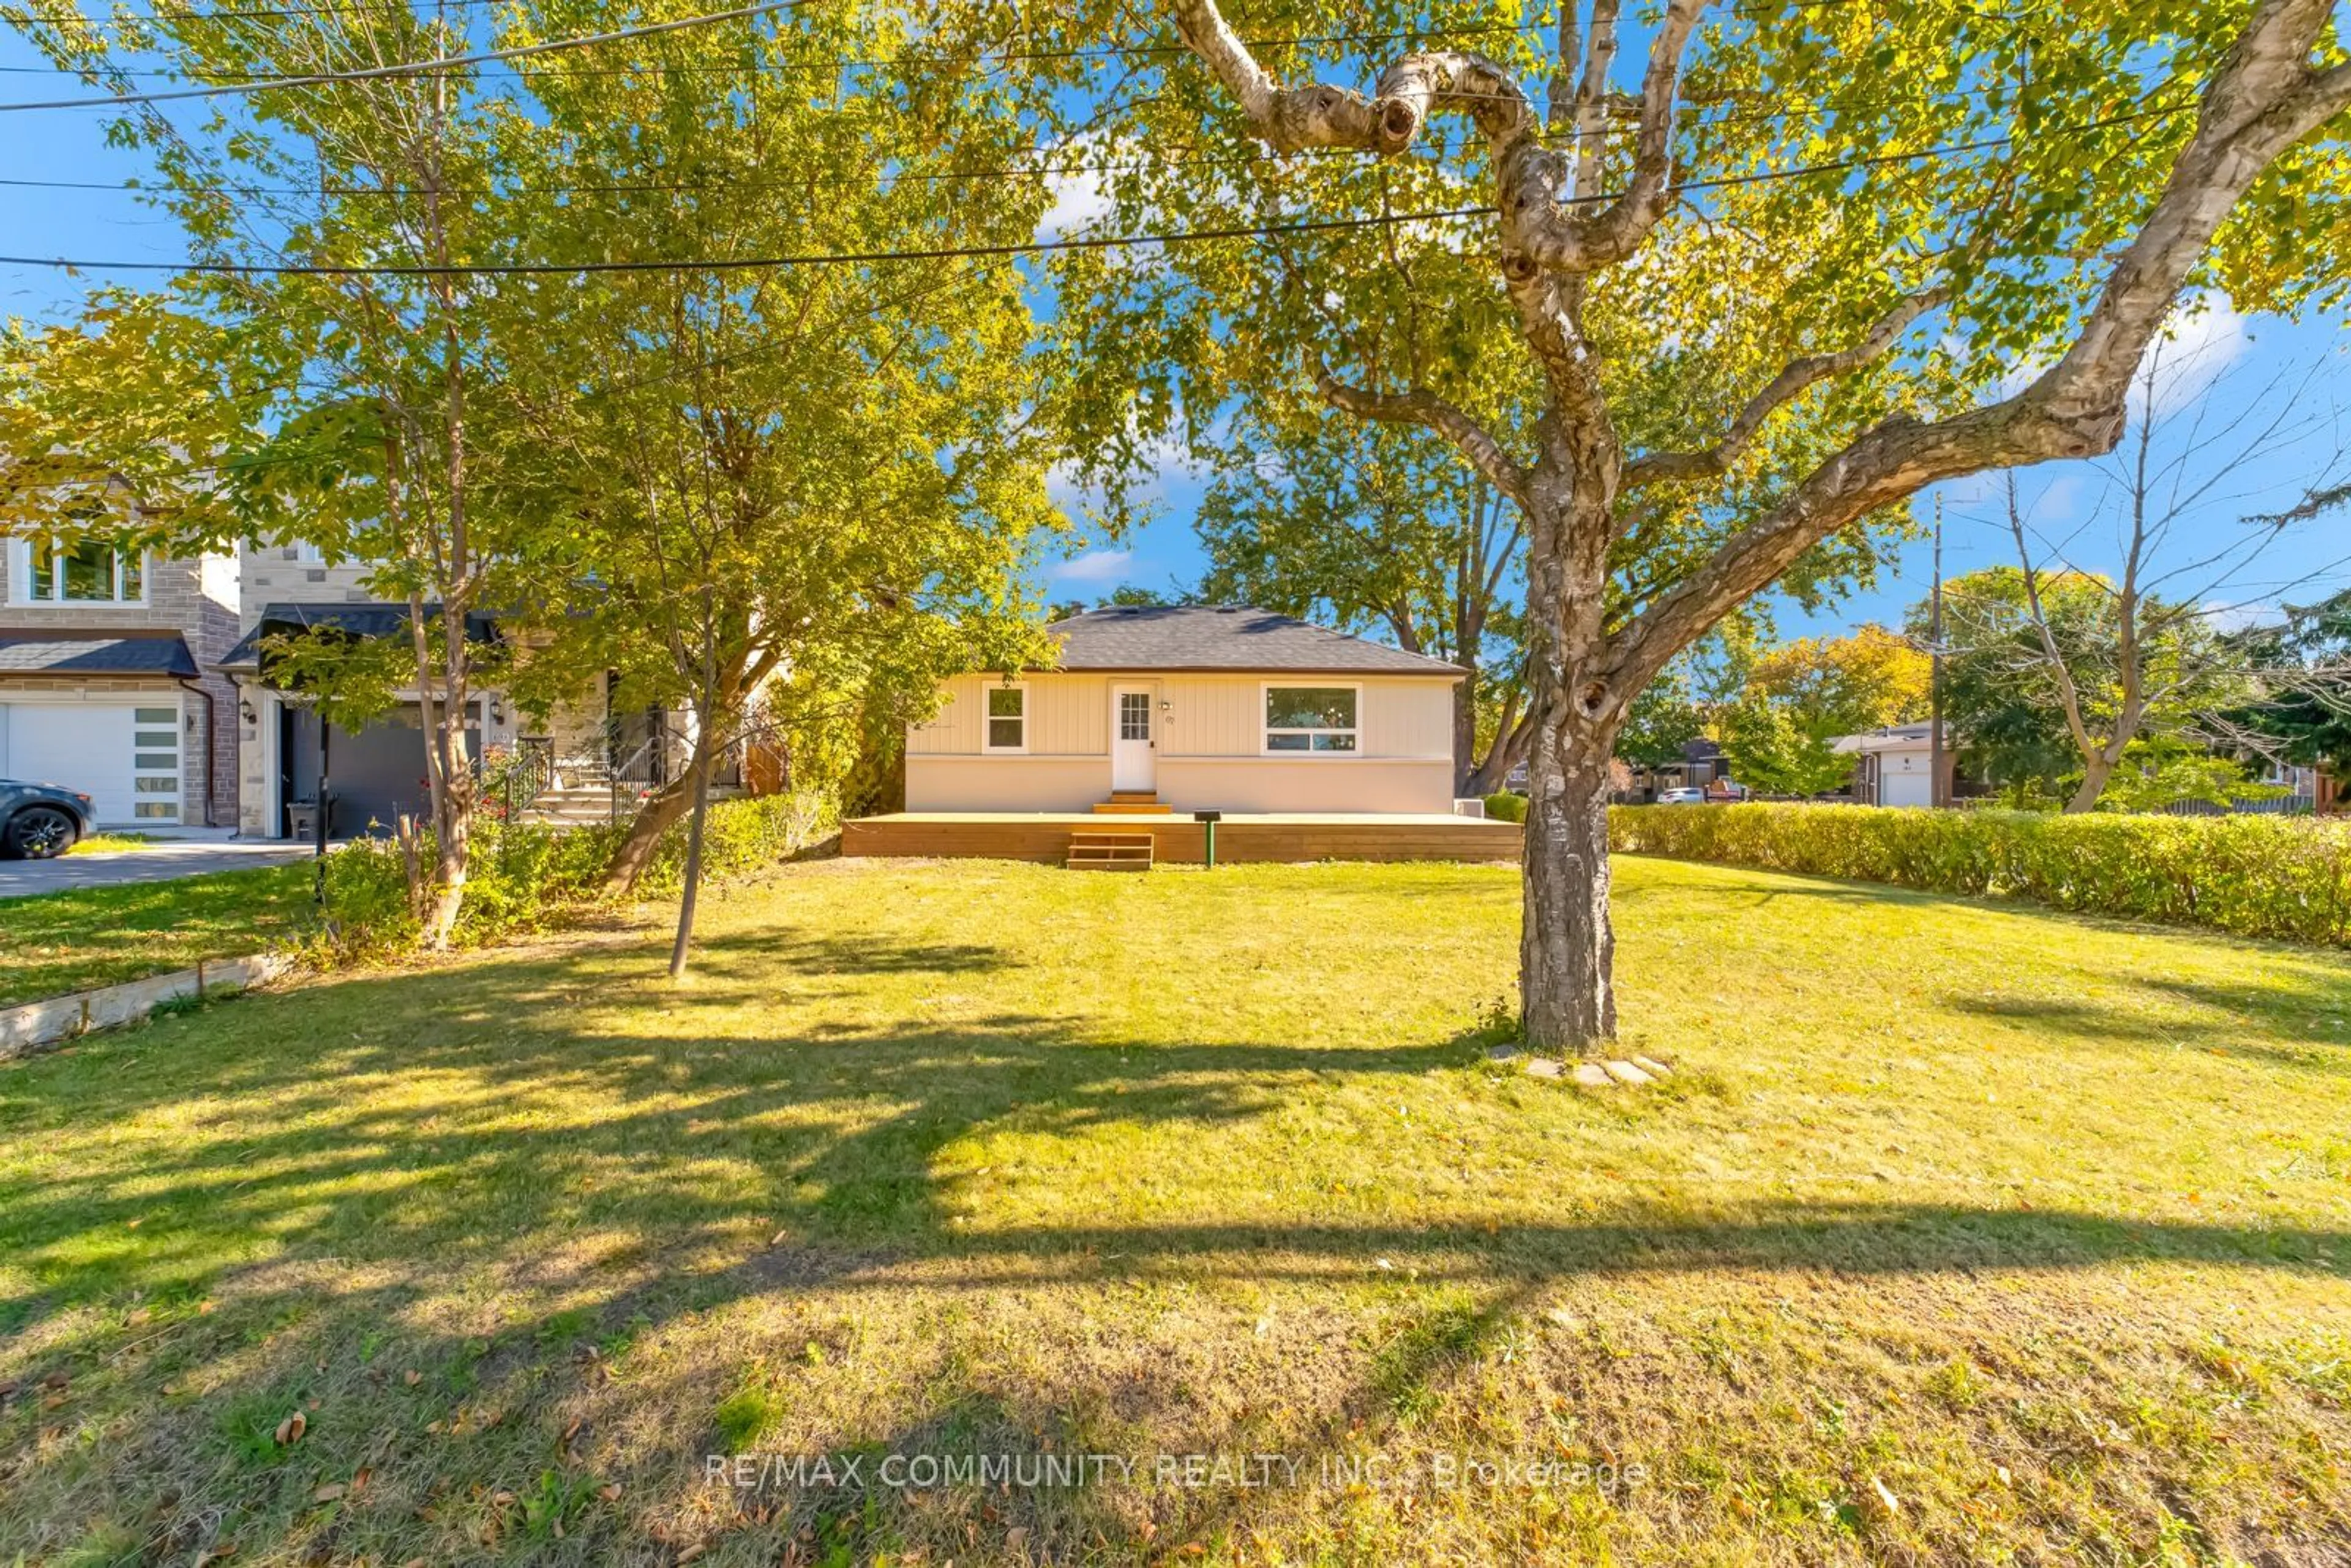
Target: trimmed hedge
[
  {"x": 2252, "y": 876},
  {"x": 526, "y": 877},
  {"x": 1505, "y": 807}
]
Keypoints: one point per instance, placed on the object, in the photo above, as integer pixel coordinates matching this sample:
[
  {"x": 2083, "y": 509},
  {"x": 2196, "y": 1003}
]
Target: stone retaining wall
[{"x": 27, "y": 1027}]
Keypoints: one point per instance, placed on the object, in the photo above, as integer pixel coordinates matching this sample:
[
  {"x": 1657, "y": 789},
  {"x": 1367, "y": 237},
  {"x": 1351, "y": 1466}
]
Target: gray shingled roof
[
  {"x": 67, "y": 653},
  {"x": 1206, "y": 637}
]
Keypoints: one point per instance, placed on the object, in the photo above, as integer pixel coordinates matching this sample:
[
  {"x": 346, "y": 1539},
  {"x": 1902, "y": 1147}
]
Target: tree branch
[
  {"x": 2264, "y": 97},
  {"x": 1421, "y": 407},
  {"x": 1785, "y": 388}
]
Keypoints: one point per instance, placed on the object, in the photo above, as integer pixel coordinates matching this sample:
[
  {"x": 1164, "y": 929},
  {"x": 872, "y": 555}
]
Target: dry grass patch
[{"x": 1964, "y": 1233}]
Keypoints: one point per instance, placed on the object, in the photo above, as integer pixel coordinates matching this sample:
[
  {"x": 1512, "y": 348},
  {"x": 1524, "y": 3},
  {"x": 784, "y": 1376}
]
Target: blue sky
[{"x": 2243, "y": 356}]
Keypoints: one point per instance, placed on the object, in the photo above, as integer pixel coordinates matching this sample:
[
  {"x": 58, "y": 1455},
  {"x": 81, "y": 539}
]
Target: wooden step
[
  {"x": 1103, "y": 850},
  {"x": 1134, "y": 794},
  {"x": 1132, "y": 808}
]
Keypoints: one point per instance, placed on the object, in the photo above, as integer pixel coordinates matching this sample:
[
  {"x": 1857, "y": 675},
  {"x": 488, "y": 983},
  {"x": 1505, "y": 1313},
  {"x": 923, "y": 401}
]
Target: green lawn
[
  {"x": 1964, "y": 1233},
  {"x": 53, "y": 943}
]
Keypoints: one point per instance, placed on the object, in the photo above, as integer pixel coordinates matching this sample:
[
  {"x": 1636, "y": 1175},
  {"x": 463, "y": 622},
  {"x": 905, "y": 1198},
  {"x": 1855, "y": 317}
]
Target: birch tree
[{"x": 1870, "y": 214}]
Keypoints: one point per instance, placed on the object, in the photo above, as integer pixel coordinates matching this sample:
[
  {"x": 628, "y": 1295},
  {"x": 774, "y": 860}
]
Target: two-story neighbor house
[
  {"x": 107, "y": 683},
  {"x": 375, "y": 774}
]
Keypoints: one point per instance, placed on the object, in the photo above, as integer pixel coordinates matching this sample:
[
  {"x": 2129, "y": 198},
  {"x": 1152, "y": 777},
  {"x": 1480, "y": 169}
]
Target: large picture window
[
  {"x": 46, "y": 571},
  {"x": 1310, "y": 718},
  {"x": 1008, "y": 718}
]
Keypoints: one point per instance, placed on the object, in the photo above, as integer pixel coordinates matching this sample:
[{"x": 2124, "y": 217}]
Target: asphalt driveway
[{"x": 151, "y": 863}]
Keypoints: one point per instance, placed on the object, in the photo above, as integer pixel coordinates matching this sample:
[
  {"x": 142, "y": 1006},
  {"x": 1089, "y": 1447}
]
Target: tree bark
[
  {"x": 1465, "y": 728},
  {"x": 2096, "y": 771},
  {"x": 1567, "y": 947},
  {"x": 701, "y": 770}
]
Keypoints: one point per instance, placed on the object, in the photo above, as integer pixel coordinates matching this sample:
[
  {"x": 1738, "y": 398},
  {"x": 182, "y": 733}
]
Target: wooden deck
[{"x": 1044, "y": 837}]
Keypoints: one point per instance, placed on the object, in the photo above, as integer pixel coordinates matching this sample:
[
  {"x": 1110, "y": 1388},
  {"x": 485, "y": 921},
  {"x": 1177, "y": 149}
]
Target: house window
[
  {"x": 50, "y": 571},
  {"x": 1134, "y": 716},
  {"x": 1310, "y": 718},
  {"x": 1008, "y": 718}
]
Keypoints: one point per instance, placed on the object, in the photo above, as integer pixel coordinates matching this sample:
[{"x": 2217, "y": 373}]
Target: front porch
[{"x": 1181, "y": 837}]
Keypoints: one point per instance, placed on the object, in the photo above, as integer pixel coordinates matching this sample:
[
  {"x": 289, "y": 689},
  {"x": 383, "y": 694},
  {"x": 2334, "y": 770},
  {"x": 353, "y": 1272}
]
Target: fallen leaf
[
  {"x": 572, "y": 1430},
  {"x": 412, "y": 1377},
  {"x": 291, "y": 1430},
  {"x": 1893, "y": 1504},
  {"x": 501, "y": 1498},
  {"x": 329, "y": 1492},
  {"x": 55, "y": 1380},
  {"x": 2002, "y": 1471},
  {"x": 609, "y": 1491},
  {"x": 690, "y": 1554},
  {"x": 220, "y": 1553},
  {"x": 360, "y": 1481},
  {"x": 1016, "y": 1538}
]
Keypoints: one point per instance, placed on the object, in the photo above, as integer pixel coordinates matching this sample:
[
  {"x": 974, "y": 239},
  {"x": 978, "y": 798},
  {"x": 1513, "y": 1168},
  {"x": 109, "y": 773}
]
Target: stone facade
[
  {"x": 294, "y": 574},
  {"x": 195, "y": 596}
]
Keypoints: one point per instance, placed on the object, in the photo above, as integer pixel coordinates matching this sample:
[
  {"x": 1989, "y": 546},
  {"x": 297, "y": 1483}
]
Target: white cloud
[
  {"x": 1079, "y": 199},
  {"x": 1095, "y": 566},
  {"x": 2224, "y": 616},
  {"x": 2203, "y": 338}
]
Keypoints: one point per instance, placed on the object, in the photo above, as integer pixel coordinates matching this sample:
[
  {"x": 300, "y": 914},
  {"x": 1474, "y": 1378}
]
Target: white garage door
[
  {"x": 124, "y": 755},
  {"x": 1905, "y": 789}
]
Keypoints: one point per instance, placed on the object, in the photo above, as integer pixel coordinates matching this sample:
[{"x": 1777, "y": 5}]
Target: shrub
[
  {"x": 1505, "y": 807},
  {"x": 523, "y": 877},
  {"x": 2252, "y": 875}
]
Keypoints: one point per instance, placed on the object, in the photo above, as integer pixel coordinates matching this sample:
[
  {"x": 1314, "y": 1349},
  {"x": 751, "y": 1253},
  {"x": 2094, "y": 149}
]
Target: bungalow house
[
  {"x": 1894, "y": 766},
  {"x": 1195, "y": 708}
]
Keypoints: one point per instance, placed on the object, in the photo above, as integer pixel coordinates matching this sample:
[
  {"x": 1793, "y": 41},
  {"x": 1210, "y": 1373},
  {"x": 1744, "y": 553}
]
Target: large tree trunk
[
  {"x": 1465, "y": 730},
  {"x": 1567, "y": 947}
]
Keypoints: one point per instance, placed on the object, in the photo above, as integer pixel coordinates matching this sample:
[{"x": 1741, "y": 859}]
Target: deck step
[
  {"x": 1133, "y": 808},
  {"x": 1092, "y": 848}
]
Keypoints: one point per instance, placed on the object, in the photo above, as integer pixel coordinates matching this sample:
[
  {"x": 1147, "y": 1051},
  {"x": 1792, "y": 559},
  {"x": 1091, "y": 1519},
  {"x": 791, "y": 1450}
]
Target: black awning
[{"x": 369, "y": 620}]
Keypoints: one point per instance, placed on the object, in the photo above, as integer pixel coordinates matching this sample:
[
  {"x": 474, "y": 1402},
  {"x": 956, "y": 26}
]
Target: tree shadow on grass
[
  {"x": 2308, "y": 1003},
  {"x": 536, "y": 1114}
]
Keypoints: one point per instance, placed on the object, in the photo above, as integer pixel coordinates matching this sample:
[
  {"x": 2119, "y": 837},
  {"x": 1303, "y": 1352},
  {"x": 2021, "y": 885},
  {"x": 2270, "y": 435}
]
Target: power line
[
  {"x": 737, "y": 264},
  {"x": 846, "y": 62},
  {"x": 1036, "y": 247},
  {"x": 951, "y": 176},
  {"x": 418, "y": 68}
]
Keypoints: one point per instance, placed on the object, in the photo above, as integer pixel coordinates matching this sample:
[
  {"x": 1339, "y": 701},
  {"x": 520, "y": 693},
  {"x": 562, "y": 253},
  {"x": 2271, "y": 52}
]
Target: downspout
[{"x": 211, "y": 712}]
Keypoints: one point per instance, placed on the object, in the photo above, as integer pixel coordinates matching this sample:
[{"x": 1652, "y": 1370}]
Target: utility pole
[{"x": 1939, "y": 792}]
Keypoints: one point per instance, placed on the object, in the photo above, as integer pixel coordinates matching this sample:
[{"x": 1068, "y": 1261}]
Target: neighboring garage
[
  {"x": 376, "y": 772},
  {"x": 105, "y": 715},
  {"x": 375, "y": 775}
]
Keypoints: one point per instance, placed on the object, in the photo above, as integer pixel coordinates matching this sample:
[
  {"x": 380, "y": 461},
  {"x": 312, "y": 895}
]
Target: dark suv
[{"x": 40, "y": 821}]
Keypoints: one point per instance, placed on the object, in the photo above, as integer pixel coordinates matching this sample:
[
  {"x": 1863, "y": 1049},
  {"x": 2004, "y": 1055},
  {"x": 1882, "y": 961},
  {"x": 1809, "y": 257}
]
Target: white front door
[{"x": 1131, "y": 739}]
